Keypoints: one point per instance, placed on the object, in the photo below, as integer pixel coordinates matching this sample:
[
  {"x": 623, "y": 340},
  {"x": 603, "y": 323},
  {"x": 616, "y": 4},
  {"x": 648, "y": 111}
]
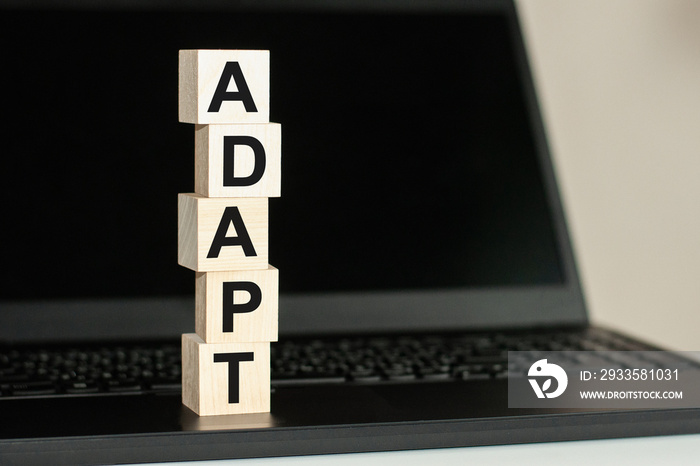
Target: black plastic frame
[{"x": 348, "y": 438}]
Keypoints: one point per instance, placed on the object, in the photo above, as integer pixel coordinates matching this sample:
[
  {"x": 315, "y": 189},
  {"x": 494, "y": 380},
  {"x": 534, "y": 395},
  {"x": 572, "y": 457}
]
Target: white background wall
[{"x": 619, "y": 83}]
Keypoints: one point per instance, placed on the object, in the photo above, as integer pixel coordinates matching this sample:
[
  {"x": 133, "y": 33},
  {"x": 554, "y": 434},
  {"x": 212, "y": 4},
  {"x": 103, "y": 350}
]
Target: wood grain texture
[
  {"x": 198, "y": 221},
  {"x": 206, "y": 384},
  {"x": 259, "y": 324},
  {"x": 191, "y": 421},
  {"x": 200, "y": 72},
  {"x": 210, "y": 166}
]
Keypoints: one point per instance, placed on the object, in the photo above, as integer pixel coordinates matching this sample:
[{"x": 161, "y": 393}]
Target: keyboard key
[
  {"x": 33, "y": 388},
  {"x": 82, "y": 387},
  {"x": 13, "y": 378},
  {"x": 307, "y": 381},
  {"x": 466, "y": 375},
  {"x": 123, "y": 385}
]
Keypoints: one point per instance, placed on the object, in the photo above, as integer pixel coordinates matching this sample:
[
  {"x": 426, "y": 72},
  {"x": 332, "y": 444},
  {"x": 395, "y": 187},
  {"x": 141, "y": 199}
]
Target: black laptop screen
[{"x": 408, "y": 156}]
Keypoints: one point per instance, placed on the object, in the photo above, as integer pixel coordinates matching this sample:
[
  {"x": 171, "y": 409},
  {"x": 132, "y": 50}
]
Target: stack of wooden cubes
[{"x": 223, "y": 230}]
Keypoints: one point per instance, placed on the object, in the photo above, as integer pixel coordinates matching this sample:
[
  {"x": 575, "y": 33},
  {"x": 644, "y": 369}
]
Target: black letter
[
  {"x": 230, "y": 143},
  {"x": 231, "y": 215},
  {"x": 230, "y": 308},
  {"x": 233, "y": 359},
  {"x": 232, "y": 70}
]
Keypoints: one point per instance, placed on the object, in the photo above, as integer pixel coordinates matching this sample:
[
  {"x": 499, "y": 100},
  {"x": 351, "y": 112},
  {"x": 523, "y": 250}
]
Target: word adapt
[{"x": 223, "y": 230}]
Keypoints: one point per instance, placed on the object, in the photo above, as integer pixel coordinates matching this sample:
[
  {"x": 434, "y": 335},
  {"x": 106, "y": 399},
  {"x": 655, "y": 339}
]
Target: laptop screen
[{"x": 409, "y": 153}]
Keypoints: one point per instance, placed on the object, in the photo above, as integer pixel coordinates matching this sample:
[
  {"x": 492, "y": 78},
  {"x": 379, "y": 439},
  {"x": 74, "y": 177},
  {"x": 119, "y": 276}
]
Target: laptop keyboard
[
  {"x": 90, "y": 369},
  {"x": 155, "y": 367},
  {"x": 423, "y": 358}
]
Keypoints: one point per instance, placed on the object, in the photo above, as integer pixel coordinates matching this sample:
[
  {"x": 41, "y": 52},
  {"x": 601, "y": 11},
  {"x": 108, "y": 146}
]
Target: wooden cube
[
  {"x": 237, "y": 306},
  {"x": 191, "y": 421},
  {"x": 224, "y": 86},
  {"x": 225, "y": 378},
  {"x": 238, "y": 160},
  {"x": 216, "y": 234}
]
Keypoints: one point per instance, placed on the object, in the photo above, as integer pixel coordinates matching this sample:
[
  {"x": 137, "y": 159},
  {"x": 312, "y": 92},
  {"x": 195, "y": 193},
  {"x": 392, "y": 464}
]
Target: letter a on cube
[
  {"x": 225, "y": 378},
  {"x": 224, "y": 86},
  {"x": 217, "y": 233}
]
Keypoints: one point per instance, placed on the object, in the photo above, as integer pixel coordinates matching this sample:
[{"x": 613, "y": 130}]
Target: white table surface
[{"x": 671, "y": 450}]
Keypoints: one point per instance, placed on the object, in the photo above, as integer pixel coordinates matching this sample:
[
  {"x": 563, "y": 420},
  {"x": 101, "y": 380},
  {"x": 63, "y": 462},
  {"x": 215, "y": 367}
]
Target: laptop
[{"x": 419, "y": 208}]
